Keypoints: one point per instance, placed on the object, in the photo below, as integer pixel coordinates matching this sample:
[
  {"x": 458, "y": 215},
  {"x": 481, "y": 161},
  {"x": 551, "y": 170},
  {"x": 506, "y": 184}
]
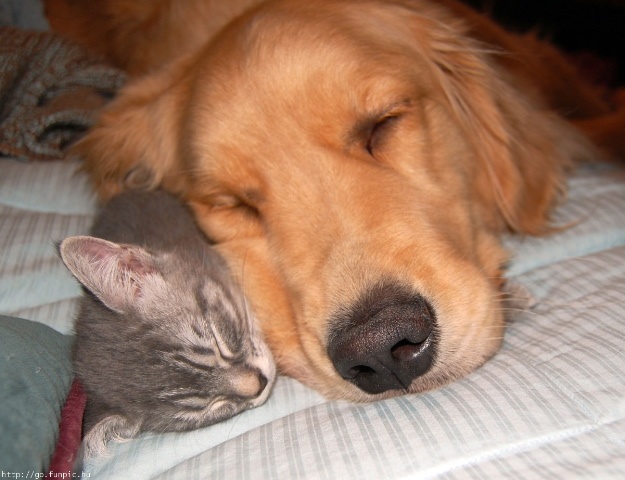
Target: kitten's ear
[{"x": 112, "y": 272}]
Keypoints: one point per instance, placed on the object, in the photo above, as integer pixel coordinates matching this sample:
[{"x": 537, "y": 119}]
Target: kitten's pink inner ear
[
  {"x": 136, "y": 261},
  {"x": 114, "y": 273}
]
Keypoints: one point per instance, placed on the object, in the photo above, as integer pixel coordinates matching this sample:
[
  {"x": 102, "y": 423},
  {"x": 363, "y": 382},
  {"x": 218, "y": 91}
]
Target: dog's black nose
[{"x": 386, "y": 340}]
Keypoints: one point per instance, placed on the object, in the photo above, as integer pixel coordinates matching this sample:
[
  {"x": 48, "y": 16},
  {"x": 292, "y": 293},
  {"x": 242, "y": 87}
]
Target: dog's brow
[{"x": 253, "y": 196}]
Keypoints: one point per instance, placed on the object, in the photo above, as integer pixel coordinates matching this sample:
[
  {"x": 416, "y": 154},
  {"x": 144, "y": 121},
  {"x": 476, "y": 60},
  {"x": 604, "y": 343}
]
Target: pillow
[{"x": 35, "y": 376}]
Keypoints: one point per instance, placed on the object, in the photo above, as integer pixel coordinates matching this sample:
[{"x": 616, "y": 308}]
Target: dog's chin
[
  {"x": 341, "y": 389},
  {"x": 441, "y": 375}
]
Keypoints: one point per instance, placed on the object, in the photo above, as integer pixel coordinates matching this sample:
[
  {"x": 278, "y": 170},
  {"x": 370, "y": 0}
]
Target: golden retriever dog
[{"x": 356, "y": 162}]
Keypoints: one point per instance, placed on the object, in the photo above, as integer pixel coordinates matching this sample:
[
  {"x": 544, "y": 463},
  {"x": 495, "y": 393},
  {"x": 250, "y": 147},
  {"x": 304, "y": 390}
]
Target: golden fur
[{"x": 329, "y": 146}]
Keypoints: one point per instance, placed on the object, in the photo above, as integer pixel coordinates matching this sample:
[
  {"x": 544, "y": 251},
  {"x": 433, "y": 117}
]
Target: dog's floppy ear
[
  {"x": 522, "y": 150},
  {"x": 134, "y": 143}
]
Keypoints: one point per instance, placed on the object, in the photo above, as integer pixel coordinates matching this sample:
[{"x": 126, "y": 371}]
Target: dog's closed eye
[
  {"x": 236, "y": 205},
  {"x": 224, "y": 201},
  {"x": 225, "y": 216},
  {"x": 378, "y": 132}
]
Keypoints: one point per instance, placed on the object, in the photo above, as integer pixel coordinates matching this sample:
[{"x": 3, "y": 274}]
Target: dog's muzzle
[{"x": 385, "y": 340}]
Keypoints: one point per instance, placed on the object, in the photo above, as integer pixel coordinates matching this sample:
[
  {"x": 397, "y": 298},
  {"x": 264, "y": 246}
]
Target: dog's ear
[
  {"x": 522, "y": 150},
  {"x": 134, "y": 143}
]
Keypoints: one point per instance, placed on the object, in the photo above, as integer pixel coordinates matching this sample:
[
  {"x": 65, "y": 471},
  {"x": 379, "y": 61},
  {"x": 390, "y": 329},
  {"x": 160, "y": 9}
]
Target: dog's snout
[{"x": 388, "y": 346}]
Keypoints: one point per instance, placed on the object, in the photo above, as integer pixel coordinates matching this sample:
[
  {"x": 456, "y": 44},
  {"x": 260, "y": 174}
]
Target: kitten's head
[{"x": 164, "y": 341}]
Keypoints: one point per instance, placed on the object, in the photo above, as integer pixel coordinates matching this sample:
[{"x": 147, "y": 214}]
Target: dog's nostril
[
  {"x": 388, "y": 348},
  {"x": 406, "y": 350},
  {"x": 359, "y": 370}
]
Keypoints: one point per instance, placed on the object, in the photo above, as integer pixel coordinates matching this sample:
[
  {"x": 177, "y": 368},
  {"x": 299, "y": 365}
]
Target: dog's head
[{"x": 356, "y": 162}]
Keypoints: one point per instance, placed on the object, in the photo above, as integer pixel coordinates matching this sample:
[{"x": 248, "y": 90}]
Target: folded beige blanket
[{"x": 50, "y": 93}]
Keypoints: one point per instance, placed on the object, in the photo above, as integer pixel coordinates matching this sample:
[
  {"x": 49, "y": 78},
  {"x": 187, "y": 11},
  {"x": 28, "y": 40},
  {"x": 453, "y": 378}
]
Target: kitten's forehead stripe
[
  {"x": 224, "y": 349},
  {"x": 215, "y": 302},
  {"x": 202, "y": 303},
  {"x": 177, "y": 394},
  {"x": 197, "y": 330},
  {"x": 201, "y": 350}
]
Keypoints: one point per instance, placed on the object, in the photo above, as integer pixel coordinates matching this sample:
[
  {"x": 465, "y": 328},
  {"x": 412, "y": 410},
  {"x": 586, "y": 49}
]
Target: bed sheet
[{"x": 550, "y": 404}]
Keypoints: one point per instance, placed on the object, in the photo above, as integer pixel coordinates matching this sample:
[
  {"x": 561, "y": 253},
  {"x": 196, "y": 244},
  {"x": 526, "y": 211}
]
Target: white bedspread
[{"x": 550, "y": 404}]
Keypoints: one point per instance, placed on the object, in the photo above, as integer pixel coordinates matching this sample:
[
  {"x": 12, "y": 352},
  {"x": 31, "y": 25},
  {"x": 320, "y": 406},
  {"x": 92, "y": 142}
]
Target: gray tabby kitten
[{"x": 164, "y": 338}]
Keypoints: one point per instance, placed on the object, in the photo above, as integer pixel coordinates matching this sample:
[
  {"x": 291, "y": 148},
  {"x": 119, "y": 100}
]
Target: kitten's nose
[
  {"x": 248, "y": 382},
  {"x": 263, "y": 384}
]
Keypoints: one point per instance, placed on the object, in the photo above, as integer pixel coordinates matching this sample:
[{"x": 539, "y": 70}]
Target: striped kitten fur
[{"x": 164, "y": 338}]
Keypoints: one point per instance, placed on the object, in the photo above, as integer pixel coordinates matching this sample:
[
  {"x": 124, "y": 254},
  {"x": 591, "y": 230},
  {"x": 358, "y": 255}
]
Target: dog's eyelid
[
  {"x": 224, "y": 201},
  {"x": 232, "y": 202},
  {"x": 378, "y": 129}
]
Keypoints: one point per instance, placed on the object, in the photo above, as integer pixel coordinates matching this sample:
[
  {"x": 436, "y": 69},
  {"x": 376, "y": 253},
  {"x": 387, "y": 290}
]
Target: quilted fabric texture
[
  {"x": 550, "y": 404},
  {"x": 40, "y": 204}
]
